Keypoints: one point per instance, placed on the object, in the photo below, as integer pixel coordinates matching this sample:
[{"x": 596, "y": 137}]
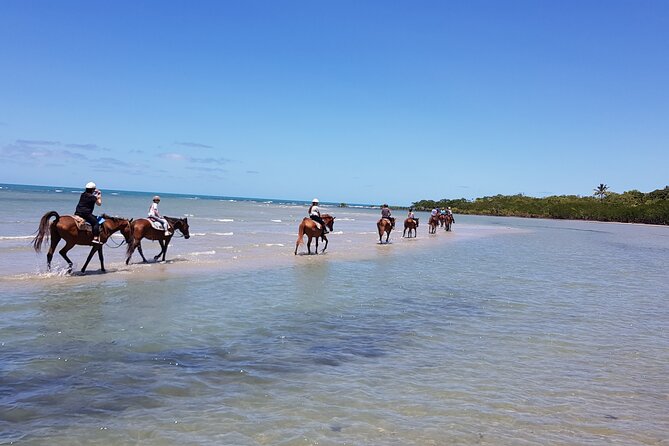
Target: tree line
[{"x": 628, "y": 207}]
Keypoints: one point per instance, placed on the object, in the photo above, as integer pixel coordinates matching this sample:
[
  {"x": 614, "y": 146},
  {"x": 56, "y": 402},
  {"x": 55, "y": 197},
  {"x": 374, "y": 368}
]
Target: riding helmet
[
  {"x": 315, "y": 200},
  {"x": 90, "y": 185}
]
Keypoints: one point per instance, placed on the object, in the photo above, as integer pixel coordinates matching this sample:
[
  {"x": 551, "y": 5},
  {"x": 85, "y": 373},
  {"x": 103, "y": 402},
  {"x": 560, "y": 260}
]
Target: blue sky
[{"x": 353, "y": 101}]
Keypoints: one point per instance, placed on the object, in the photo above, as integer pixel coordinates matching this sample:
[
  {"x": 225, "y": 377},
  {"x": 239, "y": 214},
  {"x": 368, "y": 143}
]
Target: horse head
[
  {"x": 114, "y": 224},
  {"x": 181, "y": 224},
  {"x": 329, "y": 221}
]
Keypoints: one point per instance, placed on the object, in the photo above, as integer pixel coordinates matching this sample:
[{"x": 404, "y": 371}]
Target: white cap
[
  {"x": 156, "y": 197},
  {"x": 315, "y": 200},
  {"x": 90, "y": 185}
]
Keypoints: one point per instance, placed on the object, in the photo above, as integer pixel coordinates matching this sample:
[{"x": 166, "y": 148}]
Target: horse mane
[{"x": 173, "y": 219}]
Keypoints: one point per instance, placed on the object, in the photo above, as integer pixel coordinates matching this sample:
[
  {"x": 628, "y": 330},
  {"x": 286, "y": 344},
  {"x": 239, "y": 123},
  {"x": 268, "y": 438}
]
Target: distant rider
[
  {"x": 155, "y": 215},
  {"x": 315, "y": 215},
  {"x": 385, "y": 213},
  {"x": 87, "y": 201}
]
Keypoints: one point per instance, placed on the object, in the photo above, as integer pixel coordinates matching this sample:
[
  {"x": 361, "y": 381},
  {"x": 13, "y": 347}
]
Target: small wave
[
  {"x": 337, "y": 232},
  {"x": 188, "y": 215},
  {"x": 199, "y": 234},
  {"x": 192, "y": 198},
  {"x": 223, "y": 233},
  {"x": 274, "y": 244},
  {"x": 345, "y": 219},
  {"x": 224, "y": 220},
  {"x": 276, "y": 221},
  {"x": 16, "y": 237},
  {"x": 203, "y": 253},
  {"x": 57, "y": 190},
  {"x": 114, "y": 193}
]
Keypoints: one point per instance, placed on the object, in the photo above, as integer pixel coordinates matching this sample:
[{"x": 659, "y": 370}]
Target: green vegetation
[{"x": 629, "y": 207}]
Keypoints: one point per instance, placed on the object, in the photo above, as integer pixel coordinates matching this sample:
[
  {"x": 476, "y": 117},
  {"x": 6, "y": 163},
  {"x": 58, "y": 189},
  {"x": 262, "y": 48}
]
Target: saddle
[
  {"x": 155, "y": 224},
  {"x": 83, "y": 225}
]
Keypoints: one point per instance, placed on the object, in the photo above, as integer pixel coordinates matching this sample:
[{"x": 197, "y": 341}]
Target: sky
[{"x": 348, "y": 101}]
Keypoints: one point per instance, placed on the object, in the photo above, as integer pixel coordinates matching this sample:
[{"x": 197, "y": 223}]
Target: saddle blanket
[
  {"x": 83, "y": 225},
  {"x": 156, "y": 224}
]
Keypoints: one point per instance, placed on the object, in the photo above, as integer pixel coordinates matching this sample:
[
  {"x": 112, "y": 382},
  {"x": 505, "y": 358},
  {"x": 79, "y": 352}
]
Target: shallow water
[{"x": 503, "y": 332}]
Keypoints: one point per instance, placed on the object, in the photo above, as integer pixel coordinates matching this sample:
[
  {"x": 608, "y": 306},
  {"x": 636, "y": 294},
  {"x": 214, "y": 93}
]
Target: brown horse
[
  {"x": 410, "y": 224},
  {"x": 142, "y": 228},
  {"x": 65, "y": 227},
  {"x": 308, "y": 228},
  {"x": 432, "y": 224},
  {"x": 385, "y": 225},
  {"x": 447, "y": 220}
]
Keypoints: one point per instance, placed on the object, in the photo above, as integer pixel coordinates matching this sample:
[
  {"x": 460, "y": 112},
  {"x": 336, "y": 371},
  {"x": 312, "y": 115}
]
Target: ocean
[{"x": 505, "y": 331}]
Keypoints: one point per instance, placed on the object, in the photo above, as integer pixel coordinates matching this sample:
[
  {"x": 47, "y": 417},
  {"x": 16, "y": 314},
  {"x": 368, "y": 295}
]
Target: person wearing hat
[
  {"x": 155, "y": 215},
  {"x": 87, "y": 202},
  {"x": 315, "y": 214}
]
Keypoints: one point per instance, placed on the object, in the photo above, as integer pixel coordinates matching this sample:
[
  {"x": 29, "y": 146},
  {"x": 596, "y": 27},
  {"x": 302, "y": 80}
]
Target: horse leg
[
  {"x": 326, "y": 244},
  {"x": 141, "y": 253},
  {"x": 102, "y": 259},
  {"x": 316, "y": 251},
  {"x": 55, "y": 239},
  {"x": 90, "y": 256},
  {"x": 309, "y": 245},
  {"x": 162, "y": 248},
  {"x": 63, "y": 253},
  {"x": 167, "y": 242}
]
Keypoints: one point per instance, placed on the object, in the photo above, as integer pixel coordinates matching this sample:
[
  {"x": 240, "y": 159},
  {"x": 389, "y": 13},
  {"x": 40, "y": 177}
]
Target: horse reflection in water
[
  {"x": 309, "y": 228},
  {"x": 65, "y": 228},
  {"x": 142, "y": 228}
]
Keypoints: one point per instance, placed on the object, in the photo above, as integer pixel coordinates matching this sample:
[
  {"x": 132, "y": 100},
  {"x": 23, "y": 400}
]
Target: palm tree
[{"x": 601, "y": 191}]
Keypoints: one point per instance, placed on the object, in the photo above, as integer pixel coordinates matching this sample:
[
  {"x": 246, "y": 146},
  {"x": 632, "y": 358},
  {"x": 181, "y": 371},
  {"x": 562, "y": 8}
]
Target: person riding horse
[
  {"x": 385, "y": 213},
  {"x": 87, "y": 201},
  {"x": 315, "y": 215},
  {"x": 155, "y": 215}
]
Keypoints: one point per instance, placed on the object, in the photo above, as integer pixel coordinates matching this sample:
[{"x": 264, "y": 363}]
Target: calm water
[{"x": 504, "y": 332}]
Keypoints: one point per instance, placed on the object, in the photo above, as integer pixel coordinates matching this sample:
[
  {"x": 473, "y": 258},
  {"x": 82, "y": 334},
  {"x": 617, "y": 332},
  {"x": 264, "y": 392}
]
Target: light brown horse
[
  {"x": 432, "y": 224},
  {"x": 308, "y": 228},
  {"x": 142, "y": 228},
  {"x": 65, "y": 228},
  {"x": 410, "y": 224},
  {"x": 385, "y": 225}
]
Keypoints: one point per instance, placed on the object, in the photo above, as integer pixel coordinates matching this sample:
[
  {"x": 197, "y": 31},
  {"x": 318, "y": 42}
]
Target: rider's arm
[{"x": 98, "y": 195}]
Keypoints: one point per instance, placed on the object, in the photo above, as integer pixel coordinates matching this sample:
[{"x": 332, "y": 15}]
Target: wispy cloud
[
  {"x": 206, "y": 169},
  {"x": 253, "y": 172},
  {"x": 194, "y": 145},
  {"x": 36, "y": 142},
  {"x": 83, "y": 146},
  {"x": 189, "y": 159}
]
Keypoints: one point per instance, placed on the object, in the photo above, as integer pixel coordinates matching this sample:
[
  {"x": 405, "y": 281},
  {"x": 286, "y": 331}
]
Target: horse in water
[
  {"x": 432, "y": 224},
  {"x": 309, "y": 228},
  {"x": 410, "y": 224},
  {"x": 65, "y": 228},
  {"x": 385, "y": 225},
  {"x": 143, "y": 228},
  {"x": 447, "y": 220}
]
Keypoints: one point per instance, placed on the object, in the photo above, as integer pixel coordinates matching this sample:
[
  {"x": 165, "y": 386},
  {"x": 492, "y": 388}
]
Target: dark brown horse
[
  {"x": 410, "y": 224},
  {"x": 446, "y": 221},
  {"x": 432, "y": 224},
  {"x": 65, "y": 228},
  {"x": 385, "y": 225},
  {"x": 308, "y": 228},
  {"x": 142, "y": 228}
]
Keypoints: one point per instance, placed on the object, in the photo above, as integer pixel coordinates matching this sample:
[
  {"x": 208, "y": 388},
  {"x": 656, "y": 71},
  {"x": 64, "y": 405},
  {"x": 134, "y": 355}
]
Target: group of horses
[
  {"x": 64, "y": 227},
  {"x": 385, "y": 226}
]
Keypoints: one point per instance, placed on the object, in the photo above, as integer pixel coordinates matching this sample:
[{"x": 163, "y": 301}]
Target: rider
[
  {"x": 315, "y": 215},
  {"x": 385, "y": 213},
  {"x": 411, "y": 215},
  {"x": 155, "y": 215},
  {"x": 87, "y": 201},
  {"x": 450, "y": 213}
]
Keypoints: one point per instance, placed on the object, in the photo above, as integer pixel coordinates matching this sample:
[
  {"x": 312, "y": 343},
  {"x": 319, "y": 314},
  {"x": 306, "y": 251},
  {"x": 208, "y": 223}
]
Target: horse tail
[
  {"x": 129, "y": 249},
  {"x": 43, "y": 229},
  {"x": 300, "y": 236}
]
